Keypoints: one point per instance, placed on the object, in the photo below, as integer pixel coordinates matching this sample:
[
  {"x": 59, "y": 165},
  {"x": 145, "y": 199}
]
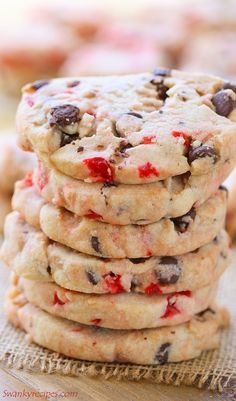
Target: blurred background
[{"x": 44, "y": 39}]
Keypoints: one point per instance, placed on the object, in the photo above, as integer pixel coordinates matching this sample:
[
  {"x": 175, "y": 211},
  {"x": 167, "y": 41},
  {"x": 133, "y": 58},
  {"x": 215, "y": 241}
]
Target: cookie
[
  {"x": 230, "y": 184},
  {"x": 132, "y": 129},
  {"x": 167, "y": 237},
  {"x": 104, "y": 59},
  {"x": 5, "y": 208},
  {"x": 150, "y": 346},
  {"x": 120, "y": 311},
  {"x": 212, "y": 52},
  {"x": 124, "y": 204},
  {"x": 30, "y": 254},
  {"x": 14, "y": 164},
  {"x": 31, "y": 51}
]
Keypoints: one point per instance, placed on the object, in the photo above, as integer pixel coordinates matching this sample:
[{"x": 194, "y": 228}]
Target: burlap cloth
[{"x": 215, "y": 370}]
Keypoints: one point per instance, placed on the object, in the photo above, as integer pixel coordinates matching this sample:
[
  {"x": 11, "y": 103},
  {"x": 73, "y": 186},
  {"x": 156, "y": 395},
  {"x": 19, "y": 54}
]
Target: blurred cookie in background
[
  {"x": 106, "y": 59},
  {"x": 29, "y": 52},
  {"x": 14, "y": 165},
  {"x": 82, "y": 19},
  {"x": 212, "y": 52}
]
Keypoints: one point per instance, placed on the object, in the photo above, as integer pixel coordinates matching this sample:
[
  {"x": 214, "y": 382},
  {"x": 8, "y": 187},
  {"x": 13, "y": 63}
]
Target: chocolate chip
[
  {"x": 223, "y": 188},
  {"x": 136, "y": 261},
  {"x": 162, "y": 354},
  {"x": 80, "y": 149},
  {"x": 216, "y": 240},
  {"x": 223, "y": 255},
  {"x": 201, "y": 152},
  {"x": 162, "y": 72},
  {"x": 181, "y": 223},
  {"x": 229, "y": 85},
  {"x": 64, "y": 115},
  {"x": 72, "y": 84},
  {"x": 39, "y": 84},
  {"x": 201, "y": 315},
  {"x": 131, "y": 113},
  {"x": 124, "y": 146},
  {"x": 49, "y": 270},
  {"x": 93, "y": 277},
  {"x": 168, "y": 271},
  {"x": 65, "y": 139},
  {"x": 95, "y": 244},
  {"x": 161, "y": 89},
  {"x": 109, "y": 184},
  {"x": 223, "y": 103}
]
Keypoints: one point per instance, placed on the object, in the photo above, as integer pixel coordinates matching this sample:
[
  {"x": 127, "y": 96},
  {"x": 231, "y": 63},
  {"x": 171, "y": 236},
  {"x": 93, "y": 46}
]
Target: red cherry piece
[
  {"x": 180, "y": 134},
  {"x": 149, "y": 253},
  {"x": 153, "y": 289},
  {"x": 93, "y": 215},
  {"x": 91, "y": 113},
  {"x": 28, "y": 180},
  {"x": 42, "y": 178},
  {"x": 57, "y": 300},
  {"x": 146, "y": 170},
  {"x": 29, "y": 101},
  {"x": 171, "y": 310},
  {"x": 148, "y": 139},
  {"x": 99, "y": 169},
  {"x": 96, "y": 322},
  {"x": 113, "y": 283},
  {"x": 77, "y": 329}
]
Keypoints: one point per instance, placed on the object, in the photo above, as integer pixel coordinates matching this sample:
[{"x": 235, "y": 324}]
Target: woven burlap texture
[{"x": 215, "y": 369}]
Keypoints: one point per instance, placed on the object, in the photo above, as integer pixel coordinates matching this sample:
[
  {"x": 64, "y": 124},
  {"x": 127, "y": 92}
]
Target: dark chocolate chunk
[
  {"x": 72, "y": 84},
  {"x": 39, "y": 84},
  {"x": 162, "y": 72},
  {"x": 95, "y": 244},
  {"x": 223, "y": 255},
  {"x": 64, "y": 115},
  {"x": 201, "y": 152},
  {"x": 223, "y": 103},
  {"x": 109, "y": 184},
  {"x": 181, "y": 223},
  {"x": 65, "y": 139},
  {"x": 168, "y": 271},
  {"x": 136, "y": 261},
  {"x": 230, "y": 85},
  {"x": 80, "y": 149},
  {"x": 161, "y": 89},
  {"x": 223, "y": 188},
  {"x": 131, "y": 113},
  {"x": 124, "y": 146},
  {"x": 93, "y": 277},
  {"x": 162, "y": 354},
  {"x": 49, "y": 270},
  {"x": 201, "y": 315}
]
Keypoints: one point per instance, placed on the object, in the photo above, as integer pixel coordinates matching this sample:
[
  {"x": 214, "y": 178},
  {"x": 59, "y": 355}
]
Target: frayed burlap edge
[
  {"x": 211, "y": 370},
  {"x": 214, "y": 370}
]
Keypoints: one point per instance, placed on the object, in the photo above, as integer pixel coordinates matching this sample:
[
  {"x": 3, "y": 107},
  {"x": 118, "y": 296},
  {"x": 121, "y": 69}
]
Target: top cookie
[{"x": 130, "y": 129}]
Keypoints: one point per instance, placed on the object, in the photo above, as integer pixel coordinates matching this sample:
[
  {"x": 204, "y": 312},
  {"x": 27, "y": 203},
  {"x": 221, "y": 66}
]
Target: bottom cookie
[{"x": 149, "y": 346}]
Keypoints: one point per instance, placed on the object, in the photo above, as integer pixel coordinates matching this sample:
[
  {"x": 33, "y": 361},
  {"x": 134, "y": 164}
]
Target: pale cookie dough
[
  {"x": 5, "y": 208},
  {"x": 130, "y": 129},
  {"x": 14, "y": 163},
  {"x": 120, "y": 311},
  {"x": 129, "y": 204},
  {"x": 30, "y": 254},
  {"x": 167, "y": 237},
  {"x": 150, "y": 346},
  {"x": 230, "y": 183}
]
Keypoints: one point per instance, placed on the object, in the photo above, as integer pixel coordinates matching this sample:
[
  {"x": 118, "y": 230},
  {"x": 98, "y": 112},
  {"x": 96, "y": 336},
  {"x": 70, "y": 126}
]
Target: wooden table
[{"x": 90, "y": 389}]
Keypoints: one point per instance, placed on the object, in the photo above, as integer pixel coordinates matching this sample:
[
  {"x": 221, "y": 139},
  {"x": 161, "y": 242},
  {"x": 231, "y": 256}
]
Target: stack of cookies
[{"x": 117, "y": 239}]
